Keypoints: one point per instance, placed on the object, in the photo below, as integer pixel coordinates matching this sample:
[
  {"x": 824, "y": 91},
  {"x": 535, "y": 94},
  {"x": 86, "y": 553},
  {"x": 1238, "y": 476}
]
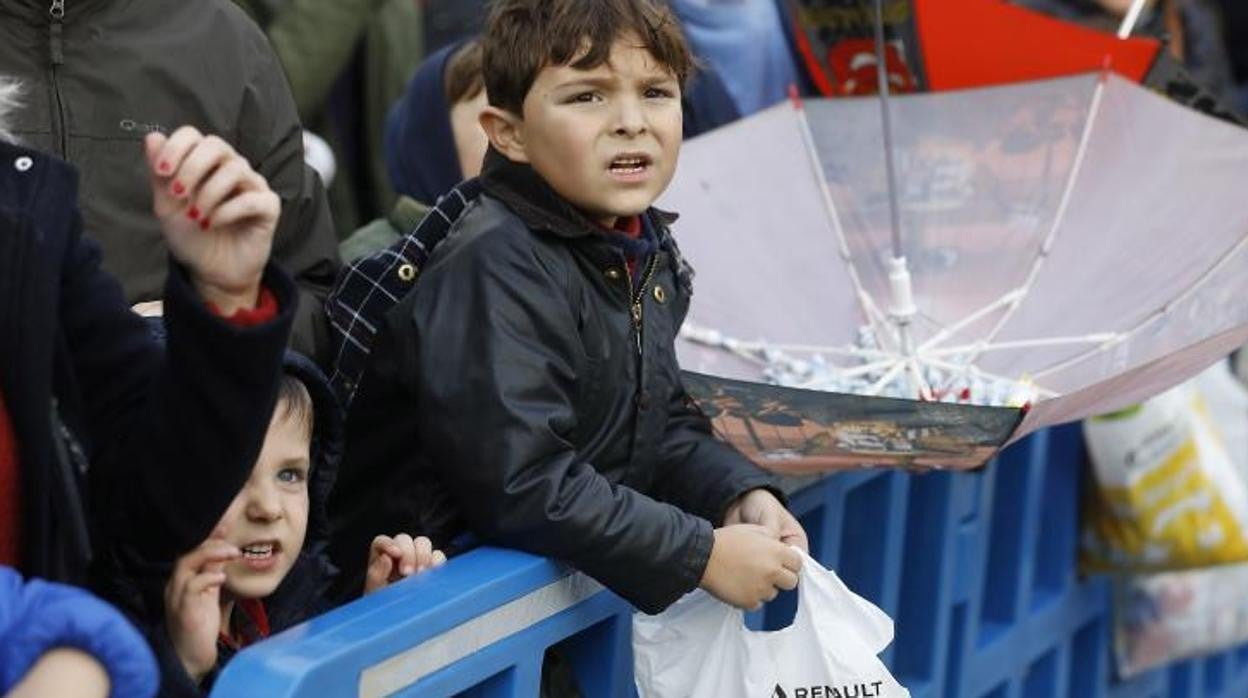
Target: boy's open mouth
[
  {"x": 261, "y": 550},
  {"x": 630, "y": 164}
]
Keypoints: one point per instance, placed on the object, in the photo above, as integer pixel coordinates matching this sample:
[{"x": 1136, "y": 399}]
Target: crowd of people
[{"x": 184, "y": 186}]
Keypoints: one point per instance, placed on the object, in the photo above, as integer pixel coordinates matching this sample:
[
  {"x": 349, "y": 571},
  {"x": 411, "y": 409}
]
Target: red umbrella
[{"x": 938, "y": 45}]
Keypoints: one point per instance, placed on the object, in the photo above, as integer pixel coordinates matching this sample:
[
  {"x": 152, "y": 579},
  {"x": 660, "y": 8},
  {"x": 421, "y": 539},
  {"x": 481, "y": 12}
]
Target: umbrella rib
[
  {"x": 812, "y": 154},
  {"x": 1025, "y": 344},
  {"x": 971, "y": 368},
  {"x": 951, "y": 330},
  {"x": 1063, "y": 206},
  {"x": 886, "y": 378},
  {"x": 1133, "y": 16},
  {"x": 1126, "y": 336},
  {"x": 923, "y": 388}
]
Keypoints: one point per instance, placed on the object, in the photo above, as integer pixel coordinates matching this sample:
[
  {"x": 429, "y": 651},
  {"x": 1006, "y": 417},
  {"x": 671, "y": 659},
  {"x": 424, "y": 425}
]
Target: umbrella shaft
[{"x": 881, "y": 73}]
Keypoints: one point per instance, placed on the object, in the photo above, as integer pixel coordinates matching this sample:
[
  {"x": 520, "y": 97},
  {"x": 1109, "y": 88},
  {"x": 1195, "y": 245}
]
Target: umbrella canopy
[{"x": 1075, "y": 244}]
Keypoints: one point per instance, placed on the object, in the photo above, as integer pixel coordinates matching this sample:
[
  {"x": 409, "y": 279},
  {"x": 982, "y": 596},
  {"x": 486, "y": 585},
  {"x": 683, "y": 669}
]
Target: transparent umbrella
[{"x": 1045, "y": 251}]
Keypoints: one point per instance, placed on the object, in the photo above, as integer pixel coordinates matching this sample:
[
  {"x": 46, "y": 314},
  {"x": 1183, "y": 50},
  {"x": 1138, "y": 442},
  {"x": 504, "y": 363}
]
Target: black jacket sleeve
[
  {"x": 698, "y": 472},
  {"x": 495, "y": 395},
  {"x": 174, "y": 434}
]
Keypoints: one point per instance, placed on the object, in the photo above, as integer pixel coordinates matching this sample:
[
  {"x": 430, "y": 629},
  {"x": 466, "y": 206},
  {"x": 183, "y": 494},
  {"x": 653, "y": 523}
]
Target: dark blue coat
[
  {"x": 304, "y": 593},
  {"x": 38, "y": 616},
  {"x": 122, "y": 446}
]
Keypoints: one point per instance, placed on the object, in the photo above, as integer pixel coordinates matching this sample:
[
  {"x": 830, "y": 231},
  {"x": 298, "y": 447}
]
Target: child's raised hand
[
  {"x": 193, "y": 605},
  {"x": 218, "y": 215},
  {"x": 748, "y": 566},
  {"x": 392, "y": 559}
]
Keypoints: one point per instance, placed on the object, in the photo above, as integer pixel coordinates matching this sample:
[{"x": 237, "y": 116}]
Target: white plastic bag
[{"x": 700, "y": 648}]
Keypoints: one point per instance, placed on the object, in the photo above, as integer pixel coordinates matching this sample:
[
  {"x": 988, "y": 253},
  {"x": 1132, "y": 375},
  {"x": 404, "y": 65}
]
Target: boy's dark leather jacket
[{"x": 511, "y": 392}]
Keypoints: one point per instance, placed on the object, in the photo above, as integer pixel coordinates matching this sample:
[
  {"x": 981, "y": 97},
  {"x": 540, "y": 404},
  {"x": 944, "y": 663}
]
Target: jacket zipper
[
  {"x": 55, "y": 29},
  {"x": 638, "y": 295}
]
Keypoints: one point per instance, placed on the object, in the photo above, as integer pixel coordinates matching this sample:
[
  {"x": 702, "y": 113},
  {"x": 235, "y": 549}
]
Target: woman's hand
[{"x": 218, "y": 215}]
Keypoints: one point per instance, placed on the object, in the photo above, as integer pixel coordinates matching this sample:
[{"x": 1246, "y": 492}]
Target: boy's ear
[{"x": 505, "y": 131}]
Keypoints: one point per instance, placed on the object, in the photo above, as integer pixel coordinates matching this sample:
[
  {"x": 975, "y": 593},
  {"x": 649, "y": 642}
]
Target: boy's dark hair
[
  {"x": 525, "y": 36},
  {"x": 463, "y": 79},
  {"x": 294, "y": 402}
]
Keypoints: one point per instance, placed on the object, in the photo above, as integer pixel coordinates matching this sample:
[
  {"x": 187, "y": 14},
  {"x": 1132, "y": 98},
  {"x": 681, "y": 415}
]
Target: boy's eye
[
  {"x": 658, "y": 93},
  {"x": 291, "y": 475},
  {"x": 584, "y": 97}
]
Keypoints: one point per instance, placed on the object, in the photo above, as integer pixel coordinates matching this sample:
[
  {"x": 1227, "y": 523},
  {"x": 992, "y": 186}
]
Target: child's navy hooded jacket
[{"x": 304, "y": 592}]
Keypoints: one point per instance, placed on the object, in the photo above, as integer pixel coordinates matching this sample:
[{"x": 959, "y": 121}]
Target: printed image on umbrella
[{"x": 1050, "y": 250}]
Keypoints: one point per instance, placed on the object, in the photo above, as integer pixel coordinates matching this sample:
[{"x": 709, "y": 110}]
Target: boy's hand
[
  {"x": 218, "y": 215},
  {"x": 392, "y": 559},
  {"x": 193, "y": 605},
  {"x": 762, "y": 508},
  {"x": 748, "y": 566}
]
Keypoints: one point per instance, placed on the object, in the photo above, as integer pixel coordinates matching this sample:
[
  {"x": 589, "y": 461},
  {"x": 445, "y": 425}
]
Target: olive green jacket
[
  {"x": 316, "y": 41},
  {"x": 98, "y": 75}
]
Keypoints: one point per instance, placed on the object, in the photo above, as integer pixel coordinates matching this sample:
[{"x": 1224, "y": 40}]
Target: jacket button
[
  {"x": 660, "y": 294},
  {"x": 643, "y": 400},
  {"x": 407, "y": 272},
  {"x": 23, "y": 163},
  {"x": 614, "y": 274}
]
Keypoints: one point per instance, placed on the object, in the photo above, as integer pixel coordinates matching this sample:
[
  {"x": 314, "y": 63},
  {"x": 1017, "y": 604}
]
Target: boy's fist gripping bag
[{"x": 700, "y": 647}]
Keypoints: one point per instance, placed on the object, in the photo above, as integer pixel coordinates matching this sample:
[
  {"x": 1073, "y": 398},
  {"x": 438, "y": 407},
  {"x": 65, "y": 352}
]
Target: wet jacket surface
[
  {"x": 100, "y": 74},
  {"x": 528, "y": 389}
]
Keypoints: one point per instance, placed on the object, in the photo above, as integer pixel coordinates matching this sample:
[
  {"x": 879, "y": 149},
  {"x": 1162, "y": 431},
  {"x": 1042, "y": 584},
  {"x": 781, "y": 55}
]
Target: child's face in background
[
  {"x": 268, "y": 519},
  {"x": 605, "y": 139},
  {"x": 470, "y": 139}
]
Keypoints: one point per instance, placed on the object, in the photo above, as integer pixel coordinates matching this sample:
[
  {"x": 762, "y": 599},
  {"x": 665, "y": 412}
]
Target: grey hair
[{"x": 10, "y": 100}]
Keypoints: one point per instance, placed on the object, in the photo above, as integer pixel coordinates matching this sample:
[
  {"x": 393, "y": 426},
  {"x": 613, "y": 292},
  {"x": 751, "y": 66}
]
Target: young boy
[
  {"x": 528, "y": 387},
  {"x": 264, "y": 568}
]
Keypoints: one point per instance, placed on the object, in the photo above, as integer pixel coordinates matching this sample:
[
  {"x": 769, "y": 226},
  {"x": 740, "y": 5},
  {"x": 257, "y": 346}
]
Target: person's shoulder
[
  {"x": 221, "y": 22},
  {"x": 488, "y": 233},
  {"x": 37, "y": 186},
  {"x": 22, "y": 170}
]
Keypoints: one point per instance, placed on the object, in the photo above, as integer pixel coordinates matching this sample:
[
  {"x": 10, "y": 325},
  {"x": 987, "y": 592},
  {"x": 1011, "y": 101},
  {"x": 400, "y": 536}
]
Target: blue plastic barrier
[{"x": 977, "y": 569}]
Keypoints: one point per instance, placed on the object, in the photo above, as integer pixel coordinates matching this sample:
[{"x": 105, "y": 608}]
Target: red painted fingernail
[
  {"x": 204, "y": 224},
  {"x": 165, "y": 167},
  {"x": 192, "y": 213},
  {"x": 178, "y": 188}
]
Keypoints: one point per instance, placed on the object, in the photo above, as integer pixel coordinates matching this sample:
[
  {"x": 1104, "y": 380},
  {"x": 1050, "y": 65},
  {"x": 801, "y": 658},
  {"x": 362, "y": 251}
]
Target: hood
[
  {"x": 305, "y": 590},
  {"x": 328, "y": 436},
  {"x": 137, "y": 585},
  {"x": 420, "y": 154}
]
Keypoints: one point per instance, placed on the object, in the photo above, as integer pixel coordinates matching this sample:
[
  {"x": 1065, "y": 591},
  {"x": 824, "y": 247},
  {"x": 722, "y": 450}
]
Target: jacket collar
[{"x": 540, "y": 207}]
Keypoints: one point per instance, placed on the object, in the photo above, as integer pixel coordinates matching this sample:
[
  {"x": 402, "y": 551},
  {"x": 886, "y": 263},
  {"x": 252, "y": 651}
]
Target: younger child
[
  {"x": 528, "y": 387},
  {"x": 432, "y": 143},
  {"x": 264, "y": 568}
]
